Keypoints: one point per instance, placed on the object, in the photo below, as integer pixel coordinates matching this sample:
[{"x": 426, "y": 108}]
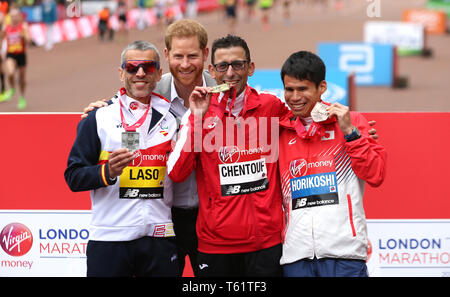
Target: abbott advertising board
[
  {"x": 338, "y": 84},
  {"x": 372, "y": 64},
  {"x": 409, "y": 38}
]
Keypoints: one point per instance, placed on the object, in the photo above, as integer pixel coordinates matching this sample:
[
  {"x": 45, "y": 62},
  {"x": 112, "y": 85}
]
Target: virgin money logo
[
  {"x": 134, "y": 105},
  {"x": 229, "y": 154},
  {"x": 16, "y": 239},
  {"x": 298, "y": 167},
  {"x": 139, "y": 158}
]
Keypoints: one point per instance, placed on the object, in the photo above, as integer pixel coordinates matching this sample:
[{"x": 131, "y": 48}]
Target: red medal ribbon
[
  {"x": 315, "y": 129},
  {"x": 221, "y": 108},
  {"x": 136, "y": 125}
]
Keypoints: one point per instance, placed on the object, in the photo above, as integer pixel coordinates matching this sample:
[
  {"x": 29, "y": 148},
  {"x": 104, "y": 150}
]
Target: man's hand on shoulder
[{"x": 92, "y": 105}]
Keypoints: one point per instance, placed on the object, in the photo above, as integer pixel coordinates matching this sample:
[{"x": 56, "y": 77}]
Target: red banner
[{"x": 35, "y": 148}]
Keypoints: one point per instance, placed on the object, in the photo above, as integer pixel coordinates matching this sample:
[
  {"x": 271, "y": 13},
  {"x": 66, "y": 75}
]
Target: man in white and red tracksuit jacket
[
  {"x": 239, "y": 223},
  {"x": 324, "y": 164}
]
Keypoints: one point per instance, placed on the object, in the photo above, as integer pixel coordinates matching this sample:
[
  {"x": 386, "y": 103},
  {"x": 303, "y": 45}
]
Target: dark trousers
[
  {"x": 261, "y": 263},
  {"x": 146, "y": 256},
  {"x": 103, "y": 28},
  {"x": 326, "y": 268},
  {"x": 184, "y": 222}
]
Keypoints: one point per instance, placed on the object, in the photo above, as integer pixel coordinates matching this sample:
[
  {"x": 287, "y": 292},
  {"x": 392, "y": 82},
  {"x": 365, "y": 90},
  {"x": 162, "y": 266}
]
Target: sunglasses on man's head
[{"x": 132, "y": 66}]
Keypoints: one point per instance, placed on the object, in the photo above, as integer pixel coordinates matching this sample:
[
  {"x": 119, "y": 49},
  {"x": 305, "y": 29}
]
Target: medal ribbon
[
  {"x": 136, "y": 125},
  {"x": 315, "y": 129},
  {"x": 222, "y": 106}
]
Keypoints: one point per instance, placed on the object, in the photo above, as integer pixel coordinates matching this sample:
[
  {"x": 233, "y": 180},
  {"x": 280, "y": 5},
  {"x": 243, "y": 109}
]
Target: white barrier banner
[
  {"x": 409, "y": 38},
  {"x": 54, "y": 242},
  {"x": 409, "y": 248},
  {"x": 43, "y": 243}
]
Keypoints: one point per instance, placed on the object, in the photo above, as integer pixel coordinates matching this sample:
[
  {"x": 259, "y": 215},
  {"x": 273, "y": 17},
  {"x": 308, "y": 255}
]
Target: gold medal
[
  {"x": 220, "y": 88},
  {"x": 319, "y": 112}
]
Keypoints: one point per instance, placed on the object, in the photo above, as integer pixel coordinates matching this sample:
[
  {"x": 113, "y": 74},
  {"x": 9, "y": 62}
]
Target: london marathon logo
[{"x": 16, "y": 239}]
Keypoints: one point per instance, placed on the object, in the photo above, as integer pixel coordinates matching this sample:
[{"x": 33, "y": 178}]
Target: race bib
[
  {"x": 242, "y": 171},
  {"x": 144, "y": 177},
  {"x": 313, "y": 182}
]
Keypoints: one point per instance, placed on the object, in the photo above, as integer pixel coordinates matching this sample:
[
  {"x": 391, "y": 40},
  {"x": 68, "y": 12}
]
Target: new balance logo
[
  {"x": 131, "y": 193},
  {"x": 234, "y": 190}
]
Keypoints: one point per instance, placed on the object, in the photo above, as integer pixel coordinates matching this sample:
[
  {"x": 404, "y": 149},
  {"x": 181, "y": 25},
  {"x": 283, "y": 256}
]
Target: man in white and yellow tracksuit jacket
[{"x": 136, "y": 205}]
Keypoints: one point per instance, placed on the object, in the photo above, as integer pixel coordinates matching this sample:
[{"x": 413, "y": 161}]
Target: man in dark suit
[{"x": 186, "y": 52}]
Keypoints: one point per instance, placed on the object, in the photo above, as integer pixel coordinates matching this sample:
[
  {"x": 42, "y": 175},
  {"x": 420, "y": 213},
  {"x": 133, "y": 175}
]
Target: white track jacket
[
  {"x": 139, "y": 202},
  {"x": 322, "y": 179}
]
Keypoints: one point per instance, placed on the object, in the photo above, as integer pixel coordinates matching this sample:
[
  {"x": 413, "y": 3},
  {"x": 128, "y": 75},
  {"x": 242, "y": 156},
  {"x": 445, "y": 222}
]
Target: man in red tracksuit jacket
[{"x": 239, "y": 223}]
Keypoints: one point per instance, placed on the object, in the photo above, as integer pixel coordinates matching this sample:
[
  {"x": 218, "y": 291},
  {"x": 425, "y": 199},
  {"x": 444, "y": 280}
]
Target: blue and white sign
[
  {"x": 269, "y": 80},
  {"x": 373, "y": 64},
  {"x": 338, "y": 87}
]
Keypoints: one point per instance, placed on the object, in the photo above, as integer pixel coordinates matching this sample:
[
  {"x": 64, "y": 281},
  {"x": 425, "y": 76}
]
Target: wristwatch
[{"x": 353, "y": 136}]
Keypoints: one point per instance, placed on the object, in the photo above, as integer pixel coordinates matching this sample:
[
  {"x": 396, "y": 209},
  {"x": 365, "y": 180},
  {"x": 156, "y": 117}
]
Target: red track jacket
[{"x": 240, "y": 207}]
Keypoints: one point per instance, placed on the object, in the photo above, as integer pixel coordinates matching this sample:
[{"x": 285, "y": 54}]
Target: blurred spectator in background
[
  {"x": 170, "y": 14},
  {"x": 141, "y": 23},
  {"x": 287, "y": 12},
  {"x": 230, "y": 11},
  {"x": 159, "y": 8},
  {"x": 4, "y": 7},
  {"x": 49, "y": 17},
  {"x": 61, "y": 8},
  {"x": 265, "y": 6},
  {"x": 3, "y": 13},
  {"x": 221, "y": 10},
  {"x": 191, "y": 9},
  {"x": 21, "y": 3},
  {"x": 122, "y": 10},
  {"x": 103, "y": 24},
  {"x": 250, "y": 9},
  {"x": 17, "y": 36}
]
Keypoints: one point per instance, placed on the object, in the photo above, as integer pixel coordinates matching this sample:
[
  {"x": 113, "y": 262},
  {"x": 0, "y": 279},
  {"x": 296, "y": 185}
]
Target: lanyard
[
  {"x": 314, "y": 129},
  {"x": 136, "y": 125}
]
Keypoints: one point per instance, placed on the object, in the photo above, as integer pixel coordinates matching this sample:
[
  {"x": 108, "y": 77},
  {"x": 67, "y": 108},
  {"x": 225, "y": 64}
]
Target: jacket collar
[{"x": 252, "y": 101}]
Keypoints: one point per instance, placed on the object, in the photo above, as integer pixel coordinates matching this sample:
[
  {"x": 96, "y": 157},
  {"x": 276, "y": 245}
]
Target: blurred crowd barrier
[{"x": 80, "y": 20}]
